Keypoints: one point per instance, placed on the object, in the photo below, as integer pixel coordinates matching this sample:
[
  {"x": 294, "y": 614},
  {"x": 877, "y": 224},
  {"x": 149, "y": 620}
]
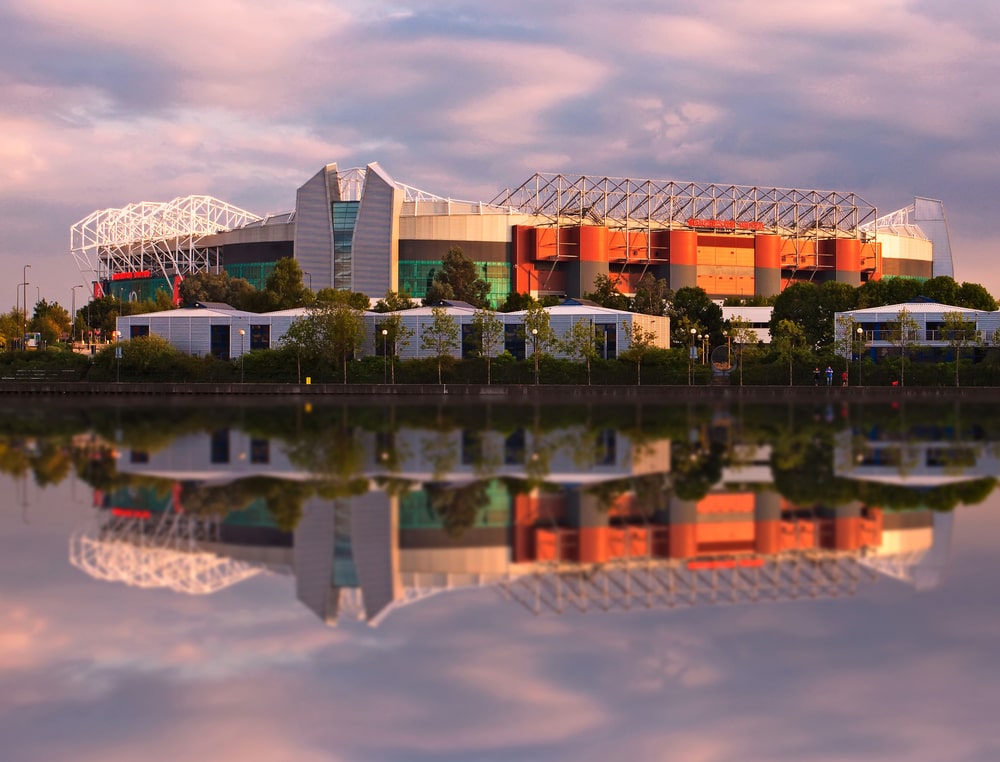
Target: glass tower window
[{"x": 343, "y": 216}]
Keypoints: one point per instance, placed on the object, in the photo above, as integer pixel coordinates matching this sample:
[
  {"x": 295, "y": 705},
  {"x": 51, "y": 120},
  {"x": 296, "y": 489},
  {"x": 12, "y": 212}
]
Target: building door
[{"x": 220, "y": 342}]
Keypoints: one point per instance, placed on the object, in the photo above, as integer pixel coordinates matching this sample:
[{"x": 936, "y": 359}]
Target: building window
[
  {"x": 260, "y": 451},
  {"x": 138, "y": 456},
  {"x": 513, "y": 448},
  {"x": 137, "y": 331},
  {"x": 605, "y": 449},
  {"x": 219, "y": 346},
  {"x": 471, "y": 346},
  {"x": 220, "y": 446},
  {"x": 472, "y": 448},
  {"x": 606, "y": 338},
  {"x": 513, "y": 340},
  {"x": 260, "y": 336}
]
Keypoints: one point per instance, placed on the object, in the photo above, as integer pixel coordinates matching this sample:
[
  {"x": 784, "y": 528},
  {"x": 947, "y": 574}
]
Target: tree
[
  {"x": 975, "y": 297},
  {"x": 904, "y": 331},
  {"x": 458, "y": 279},
  {"x": 578, "y": 342},
  {"x": 216, "y": 287},
  {"x": 813, "y": 307},
  {"x": 284, "y": 286},
  {"x": 393, "y": 301},
  {"x": 440, "y": 337},
  {"x": 691, "y": 308},
  {"x": 328, "y": 332},
  {"x": 397, "y": 336},
  {"x": 51, "y": 320},
  {"x": 846, "y": 336},
  {"x": 538, "y": 330},
  {"x": 606, "y": 294},
  {"x": 651, "y": 296},
  {"x": 516, "y": 302},
  {"x": 641, "y": 342},
  {"x": 354, "y": 299},
  {"x": 959, "y": 332},
  {"x": 787, "y": 337},
  {"x": 490, "y": 330},
  {"x": 941, "y": 289},
  {"x": 742, "y": 334}
]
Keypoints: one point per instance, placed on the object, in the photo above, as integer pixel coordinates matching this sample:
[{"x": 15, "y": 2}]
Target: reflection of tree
[
  {"x": 51, "y": 464},
  {"x": 649, "y": 491},
  {"x": 458, "y": 507},
  {"x": 695, "y": 468}
]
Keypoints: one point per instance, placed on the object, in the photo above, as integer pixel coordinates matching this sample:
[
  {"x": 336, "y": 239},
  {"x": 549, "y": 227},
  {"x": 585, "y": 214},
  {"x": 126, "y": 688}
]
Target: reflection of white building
[
  {"x": 574, "y": 455},
  {"x": 899, "y": 460}
]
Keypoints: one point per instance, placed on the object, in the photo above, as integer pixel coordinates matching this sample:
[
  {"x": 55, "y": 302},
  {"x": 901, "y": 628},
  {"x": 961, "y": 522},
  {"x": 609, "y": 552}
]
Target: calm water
[{"x": 335, "y": 582}]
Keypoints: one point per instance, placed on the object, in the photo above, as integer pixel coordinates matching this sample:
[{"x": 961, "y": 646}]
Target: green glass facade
[
  {"x": 416, "y": 512},
  {"x": 343, "y": 215},
  {"x": 416, "y": 276},
  {"x": 255, "y": 273}
]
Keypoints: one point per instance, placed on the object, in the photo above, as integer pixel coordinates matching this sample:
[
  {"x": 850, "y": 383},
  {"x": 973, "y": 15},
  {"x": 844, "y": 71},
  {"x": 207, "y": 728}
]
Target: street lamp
[
  {"x": 310, "y": 277},
  {"x": 243, "y": 339},
  {"x": 691, "y": 355},
  {"x": 118, "y": 356},
  {"x": 72, "y": 317},
  {"x": 861, "y": 350},
  {"x": 24, "y": 321},
  {"x": 385, "y": 356},
  {"x": 534, "y": 351}
]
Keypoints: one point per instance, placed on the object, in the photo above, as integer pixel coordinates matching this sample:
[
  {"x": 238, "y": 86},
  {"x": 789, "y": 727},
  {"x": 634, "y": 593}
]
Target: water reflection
[{"x": 559, "y": 510}]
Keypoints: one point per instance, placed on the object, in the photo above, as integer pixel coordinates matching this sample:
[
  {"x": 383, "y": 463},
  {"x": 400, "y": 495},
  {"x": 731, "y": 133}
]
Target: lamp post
[
  {"x": 861, "y": 350},
  {"x": 24, "y": 322},
  {"x": 385, "y": 356},
  {"x": 310, "y": 277},
  {"x": 243, "y": 339},
  {"x": 534, "y": 351},
  {"x": 72, "y": 316},
  {"x": 118, "y": 356},
  {"x": 691, "y": 352}
]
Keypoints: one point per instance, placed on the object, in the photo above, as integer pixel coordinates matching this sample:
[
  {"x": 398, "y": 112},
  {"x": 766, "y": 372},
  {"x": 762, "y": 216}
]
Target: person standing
[
  {"x": 843, "y": 378},
  {"x": 829, "y": 376},
  {"x": 816, "y": 376}
]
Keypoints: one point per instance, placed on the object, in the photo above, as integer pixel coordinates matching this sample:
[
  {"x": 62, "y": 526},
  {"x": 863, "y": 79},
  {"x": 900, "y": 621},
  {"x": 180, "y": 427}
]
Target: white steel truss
[
  {"x": 159, "y": 552},
  {"x": 162, "y": 238},
  {"x": 659, "y": 204},
  {"x": 631, "y": 584}
]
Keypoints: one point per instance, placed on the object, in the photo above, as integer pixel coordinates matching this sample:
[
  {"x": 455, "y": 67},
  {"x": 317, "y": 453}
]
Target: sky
[
  {"x": 99, "y": 672},
  {"x": 109, "y": 102}
]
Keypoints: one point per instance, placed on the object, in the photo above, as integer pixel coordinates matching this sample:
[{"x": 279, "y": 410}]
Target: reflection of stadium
[
  {"x": 360, "y": 229},
  {"x": 594, "y": 529}
]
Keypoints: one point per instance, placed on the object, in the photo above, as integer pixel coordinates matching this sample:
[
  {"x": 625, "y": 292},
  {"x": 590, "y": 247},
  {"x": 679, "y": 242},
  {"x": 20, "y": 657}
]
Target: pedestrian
[
  {"x": 816, "y": 376},
  {"x": 843, "y": 378},
  {"x": 829, "y": 376}
]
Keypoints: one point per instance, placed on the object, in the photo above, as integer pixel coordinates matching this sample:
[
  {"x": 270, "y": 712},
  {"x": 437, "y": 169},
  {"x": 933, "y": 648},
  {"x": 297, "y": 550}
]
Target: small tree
[
  {"x": 606, "y": 293},
  {"x": 641, "y": 342},
  {"x": 538, "y": 330},
  {"x": 959, "y": 332},
  {"x": 578, "y": 343},
  {"x": 458, "y": 278},
  {"x": 302, "y": 337},
  {"x": 788, "y": 336},
  {"x": 342, "y": 330},
  {"x": 741, "y": 333},
  {"x": 490, "y": 330},
  {"x": 651, "y": 295},
  {"x": 394, "y": 301},
  {"x": 904, "y": 332},
  {"x": 440, "y": 337}
]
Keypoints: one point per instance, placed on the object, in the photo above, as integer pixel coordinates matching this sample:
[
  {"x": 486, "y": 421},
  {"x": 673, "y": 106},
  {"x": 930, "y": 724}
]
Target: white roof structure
[{"x": 162, "y": 238}]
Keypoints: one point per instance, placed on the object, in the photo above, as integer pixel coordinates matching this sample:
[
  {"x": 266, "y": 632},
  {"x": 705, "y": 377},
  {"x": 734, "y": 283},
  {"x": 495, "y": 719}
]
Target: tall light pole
[
  {"x": 691, "y": 351},
  {"x": 310, "y": 277},
  {"x": 24, "y": 322},
  {"x": 385, "y": 356},
  {"x": 72, "y": 316},
  {"x": 118, "y": 356},
  {"x": 534, "y": 351},
  {"x": 243, "y": 338},
  {"x": 861, "y": 350}
]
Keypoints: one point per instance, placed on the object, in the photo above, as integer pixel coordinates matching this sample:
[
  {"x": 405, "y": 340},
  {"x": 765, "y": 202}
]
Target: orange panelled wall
[
  {"x": 593, "y": 243},
  {"x": 727, "y": 503},
  {"x": 636, "y": 246},
  {"x": 725, "y": 282},
  {"x": 767, "y": 252},
  {"x": 525, "y": 274},
  {"x": 683, "y": 247},
  {"x": 847, "y": 252}
]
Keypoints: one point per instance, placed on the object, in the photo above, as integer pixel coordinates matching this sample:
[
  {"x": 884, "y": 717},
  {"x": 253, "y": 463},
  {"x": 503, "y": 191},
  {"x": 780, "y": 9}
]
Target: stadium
[{"x": 361, "y": 230}]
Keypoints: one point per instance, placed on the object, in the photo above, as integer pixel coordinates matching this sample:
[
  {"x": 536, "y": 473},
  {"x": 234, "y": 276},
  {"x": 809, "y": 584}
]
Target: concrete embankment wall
[{"x": 506, "y": 393}]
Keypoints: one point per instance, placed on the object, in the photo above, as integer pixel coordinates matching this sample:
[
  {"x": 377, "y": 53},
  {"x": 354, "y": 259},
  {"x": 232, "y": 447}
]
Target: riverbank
[{"x": 503, "y": 393}]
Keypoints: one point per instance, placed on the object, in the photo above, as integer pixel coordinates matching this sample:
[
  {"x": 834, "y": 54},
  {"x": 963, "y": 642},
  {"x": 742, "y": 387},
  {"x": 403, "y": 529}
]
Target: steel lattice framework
[
  {"x": 659, "y": 204},
  {"x": 162, "y": 238},
  {"x": 160, "y": 552},
  {"x": 658, "y": 583}
]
